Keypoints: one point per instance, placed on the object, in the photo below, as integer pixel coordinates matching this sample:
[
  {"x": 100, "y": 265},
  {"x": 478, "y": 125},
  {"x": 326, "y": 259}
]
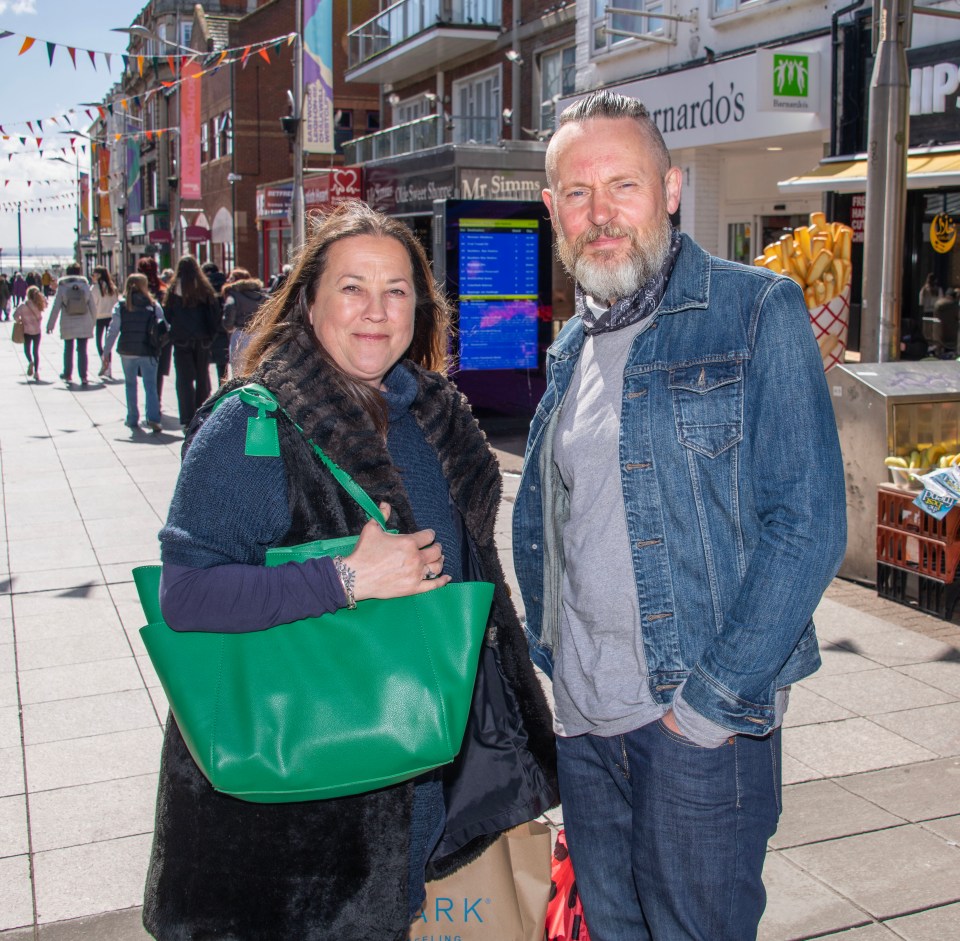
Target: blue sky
[{"x": 32, "y": 88}]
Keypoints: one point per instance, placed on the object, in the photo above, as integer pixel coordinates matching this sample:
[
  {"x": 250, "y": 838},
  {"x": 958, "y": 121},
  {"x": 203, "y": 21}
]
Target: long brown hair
[
  {"x": 191, "y": 283},
  {"x": 287, "y": 313},
  {"x": 35, "y": 296}
]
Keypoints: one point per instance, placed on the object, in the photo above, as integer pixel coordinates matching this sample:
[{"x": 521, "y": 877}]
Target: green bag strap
[{"x": 264, "y": 441}]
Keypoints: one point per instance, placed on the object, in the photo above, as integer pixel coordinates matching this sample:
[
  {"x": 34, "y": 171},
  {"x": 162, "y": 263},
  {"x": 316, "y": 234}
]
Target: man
[
  {"x": 75, "y": 307},
  {"x": 680, "y": 514}
]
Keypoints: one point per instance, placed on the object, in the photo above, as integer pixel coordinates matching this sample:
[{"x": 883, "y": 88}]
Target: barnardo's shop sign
[{"x": 739, "y": 99}]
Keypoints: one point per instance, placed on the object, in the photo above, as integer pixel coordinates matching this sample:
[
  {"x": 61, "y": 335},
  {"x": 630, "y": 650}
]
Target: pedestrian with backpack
[
  {"x": 139, "y": 324},
  {"x": 74, "y": 306},
  {"x": 243, "y": 296}
]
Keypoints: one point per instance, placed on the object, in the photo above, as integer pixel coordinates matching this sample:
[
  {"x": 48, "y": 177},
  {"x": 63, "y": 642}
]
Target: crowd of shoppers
[{"x": 188, "y": 303}]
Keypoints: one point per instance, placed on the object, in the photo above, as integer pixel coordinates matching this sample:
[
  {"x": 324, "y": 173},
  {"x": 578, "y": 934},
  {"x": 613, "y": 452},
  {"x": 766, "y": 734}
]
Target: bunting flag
[{"x": 227, "y": 56}]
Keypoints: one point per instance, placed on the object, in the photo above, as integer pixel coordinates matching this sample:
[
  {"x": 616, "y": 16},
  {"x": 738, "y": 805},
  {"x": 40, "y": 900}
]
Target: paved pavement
[{"x": 868, "y": 842}]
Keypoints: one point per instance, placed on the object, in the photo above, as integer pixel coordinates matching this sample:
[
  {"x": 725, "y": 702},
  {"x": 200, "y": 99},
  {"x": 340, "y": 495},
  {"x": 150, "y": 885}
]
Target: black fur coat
[{"x": 225, "y": 869}]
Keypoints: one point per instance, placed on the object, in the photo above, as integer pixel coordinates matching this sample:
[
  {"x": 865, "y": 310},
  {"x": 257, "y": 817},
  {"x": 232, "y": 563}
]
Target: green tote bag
[{"x": 324, "y": 707}]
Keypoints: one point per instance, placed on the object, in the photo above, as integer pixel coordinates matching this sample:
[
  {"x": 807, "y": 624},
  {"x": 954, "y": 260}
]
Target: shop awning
[{"x": 924, "y": 171}]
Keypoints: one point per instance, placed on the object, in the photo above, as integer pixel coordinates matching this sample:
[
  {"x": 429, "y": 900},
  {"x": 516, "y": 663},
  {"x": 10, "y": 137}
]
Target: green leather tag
[{"x": 262, "y": 437}]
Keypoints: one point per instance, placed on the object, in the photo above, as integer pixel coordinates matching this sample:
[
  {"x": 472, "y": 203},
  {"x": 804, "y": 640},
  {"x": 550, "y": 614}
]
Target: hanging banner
[
  {"x": 104, "y": 211},
  {"x": 84, "y": 204},
  {"x": 190, "y": 132},
  {"x": 318, "y": 76},
  {"x": 134, "y": 213}
]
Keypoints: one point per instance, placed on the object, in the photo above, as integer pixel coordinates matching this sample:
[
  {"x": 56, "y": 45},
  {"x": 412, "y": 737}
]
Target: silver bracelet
[{"x": 348, "y": 578}]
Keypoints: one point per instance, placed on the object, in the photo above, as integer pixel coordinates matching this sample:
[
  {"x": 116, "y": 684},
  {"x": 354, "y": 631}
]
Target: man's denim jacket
[{"x": 733, "y": 489}]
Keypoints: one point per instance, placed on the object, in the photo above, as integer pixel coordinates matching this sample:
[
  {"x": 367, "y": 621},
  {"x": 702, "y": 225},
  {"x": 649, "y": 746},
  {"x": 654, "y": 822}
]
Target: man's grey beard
[{"x": 606, "y": 280}]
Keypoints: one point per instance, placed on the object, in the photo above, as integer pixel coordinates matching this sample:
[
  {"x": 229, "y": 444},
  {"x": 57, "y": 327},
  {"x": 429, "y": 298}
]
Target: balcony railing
[
  {"x": 402, "y": 139},
  {"x": 405, "y": 19},
  {"x": 423, "y": 134}
]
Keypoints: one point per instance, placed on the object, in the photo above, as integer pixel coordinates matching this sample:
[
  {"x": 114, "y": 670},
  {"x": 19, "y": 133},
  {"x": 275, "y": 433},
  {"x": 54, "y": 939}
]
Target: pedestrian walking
[
  {"x": 220, "y": 351},
  {"x": 5, "y": 295},
  {"x": 105, "y": 297},
  {"x": 30, "y": 314},
  {"x": 19, "y": 288},
  {"x": 243, "y": 296},
  {"x": 73, "y": 305},
  {"x": 138, "y": 326},
  {"x": 148, "y": 266},
  {"x": 670, "y": 546},
  {"x": 193, "y": 312}
]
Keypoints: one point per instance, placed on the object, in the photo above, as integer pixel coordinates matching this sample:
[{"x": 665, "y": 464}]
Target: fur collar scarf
[{"x": 307, "y": 388}]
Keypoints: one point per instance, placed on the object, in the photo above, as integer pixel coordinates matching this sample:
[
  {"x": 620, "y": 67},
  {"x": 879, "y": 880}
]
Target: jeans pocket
[{"x": 675, "y": 736}]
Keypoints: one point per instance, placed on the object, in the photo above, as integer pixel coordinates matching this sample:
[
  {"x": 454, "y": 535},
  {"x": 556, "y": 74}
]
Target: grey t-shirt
[{"x": 600, "y": 670}]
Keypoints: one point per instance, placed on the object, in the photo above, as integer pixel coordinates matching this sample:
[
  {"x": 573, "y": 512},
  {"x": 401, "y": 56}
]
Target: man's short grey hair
[{"x": 608, "y": 104}]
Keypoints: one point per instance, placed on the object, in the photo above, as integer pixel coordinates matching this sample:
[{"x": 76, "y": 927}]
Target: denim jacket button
[{"x": 534, "y": 546}]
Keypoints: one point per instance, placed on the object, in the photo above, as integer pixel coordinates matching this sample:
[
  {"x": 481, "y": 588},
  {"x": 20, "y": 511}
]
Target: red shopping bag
[{"x": 564, "y": 910}]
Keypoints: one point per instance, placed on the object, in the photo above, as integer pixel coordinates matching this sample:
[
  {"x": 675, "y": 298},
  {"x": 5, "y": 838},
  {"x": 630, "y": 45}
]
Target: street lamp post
[{"x": 888, "y": 136}]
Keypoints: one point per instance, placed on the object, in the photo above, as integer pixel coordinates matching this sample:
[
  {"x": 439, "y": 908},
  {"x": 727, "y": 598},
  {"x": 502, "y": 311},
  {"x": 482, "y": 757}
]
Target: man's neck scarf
[{"x": 633, "y": 309}]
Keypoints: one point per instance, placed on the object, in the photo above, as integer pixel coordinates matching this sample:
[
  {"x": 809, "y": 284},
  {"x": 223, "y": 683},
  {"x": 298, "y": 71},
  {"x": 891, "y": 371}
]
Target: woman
[
  {"x": 134, "y": 321},
  {"x": 348, "y": 347},
  {"x": 105, "y": 297},
  {"x": 193, "y": 312},
  {"x": 30, "y": 314},
  {"x": 243, "y": 296},
  {"x": 148, "y": 266}
]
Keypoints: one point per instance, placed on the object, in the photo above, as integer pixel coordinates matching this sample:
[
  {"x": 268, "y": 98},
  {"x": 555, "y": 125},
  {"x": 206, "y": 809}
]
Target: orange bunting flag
[
  {"x": 291, "y": 38},
  {"x": 149, "y": 135},
  {"x": 172, "y": 62},
  {"x": 223, "y": 56},
  {"x": 264, "y": 54},
  {"x": 117, "y": 137},
  {"x": 123, "y": 104},
  {"x": 140, "y": 65},
  {"x": 73, "y": 55},
  {"x": 168, "y": 84},
  {"x": 244, "y": 57},
  {"x": 27, "y": 43}
]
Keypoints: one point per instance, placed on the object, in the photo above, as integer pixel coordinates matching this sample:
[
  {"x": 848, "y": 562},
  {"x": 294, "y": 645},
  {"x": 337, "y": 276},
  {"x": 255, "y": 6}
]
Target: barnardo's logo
[
  {"x": 788, "y": 81},
  {"x": 791, "y": 76}
]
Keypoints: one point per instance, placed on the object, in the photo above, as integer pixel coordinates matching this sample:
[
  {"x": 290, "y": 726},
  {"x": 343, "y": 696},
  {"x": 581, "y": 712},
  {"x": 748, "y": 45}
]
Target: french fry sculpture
[{"x": 817, "y": 257}]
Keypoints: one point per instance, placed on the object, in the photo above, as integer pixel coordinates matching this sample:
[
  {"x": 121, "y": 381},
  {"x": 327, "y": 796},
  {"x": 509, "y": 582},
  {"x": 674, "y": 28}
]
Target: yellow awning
[{"x": 924, "y": 171}]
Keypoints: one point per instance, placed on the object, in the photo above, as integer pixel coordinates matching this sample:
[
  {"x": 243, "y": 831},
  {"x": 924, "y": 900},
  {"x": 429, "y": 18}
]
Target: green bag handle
[{"x": 263, "y": 441}]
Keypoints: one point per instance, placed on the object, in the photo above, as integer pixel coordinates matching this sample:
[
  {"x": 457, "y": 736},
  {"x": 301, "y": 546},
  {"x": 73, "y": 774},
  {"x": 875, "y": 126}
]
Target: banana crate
[
  {"x": 929, "y": 595},
  {"x": 896, "y": 510},
  {"x": 933, "y": 558}
]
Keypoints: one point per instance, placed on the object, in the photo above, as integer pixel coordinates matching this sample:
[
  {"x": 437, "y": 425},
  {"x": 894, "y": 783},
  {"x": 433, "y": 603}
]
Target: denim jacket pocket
[{"x": 708, "y": 405}]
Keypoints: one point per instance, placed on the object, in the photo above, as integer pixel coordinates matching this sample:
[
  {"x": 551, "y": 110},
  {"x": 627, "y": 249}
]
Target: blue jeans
[
  {"x": 147, "y": 367},
  {"x": 667, "y": 838}
]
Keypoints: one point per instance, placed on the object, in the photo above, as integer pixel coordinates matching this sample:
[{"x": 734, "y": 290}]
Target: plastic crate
[
  {"x": 896, "y": 509},
  {"x": 931, "y": 557},
  {"x": 929, "y": 595}
]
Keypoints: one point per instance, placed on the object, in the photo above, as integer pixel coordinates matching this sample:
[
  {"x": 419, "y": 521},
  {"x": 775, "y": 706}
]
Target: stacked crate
[{"x": 917, "y": 554}]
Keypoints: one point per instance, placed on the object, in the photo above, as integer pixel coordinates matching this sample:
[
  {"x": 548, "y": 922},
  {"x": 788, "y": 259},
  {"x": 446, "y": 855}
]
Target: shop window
[
  {"x": 223, "y": 135},
  {"x": 558, "y": 76},
  {"x": 723, "y": 7},
  {"x": 613, "y": 29},
  {"x": 342, "y": 128},
  {"x": 204, "y": 142},
  {"x": 478, "y": 117},
  {"x": 373, "y": 120},
  {"x": 738, "y": 242}
]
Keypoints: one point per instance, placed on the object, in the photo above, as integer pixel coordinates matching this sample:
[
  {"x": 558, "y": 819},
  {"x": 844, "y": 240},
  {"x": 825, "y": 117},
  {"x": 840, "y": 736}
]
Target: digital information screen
[{"x": 499, "y": 289}]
